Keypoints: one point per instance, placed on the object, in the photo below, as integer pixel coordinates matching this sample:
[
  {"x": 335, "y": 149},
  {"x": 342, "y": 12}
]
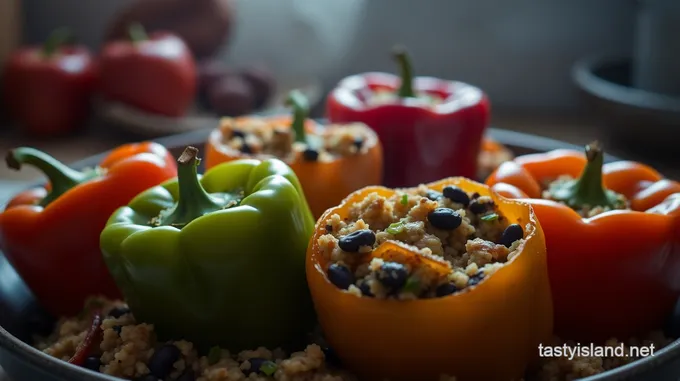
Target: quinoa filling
[
  {"x": 418, "y": 244},
  {"x": 259, "y": 136},
  {"x": 129, "y": 349}
]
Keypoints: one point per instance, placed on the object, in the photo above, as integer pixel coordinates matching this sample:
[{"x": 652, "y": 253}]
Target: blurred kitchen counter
[{"x": 575, "y": 130}]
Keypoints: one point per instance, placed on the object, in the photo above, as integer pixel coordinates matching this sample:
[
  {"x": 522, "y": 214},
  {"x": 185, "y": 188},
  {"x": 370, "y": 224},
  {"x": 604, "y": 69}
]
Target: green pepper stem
[
  {"x": 588, "y": 189},
  {"x": 137, "y": 32},
  {"x": 300, "y": 106},
  {"x": 193, "y": 200},
  {"x": 56, "y": 39},
  {"x": 406, "y": 72},
  {"x": 61, "y": 177}
]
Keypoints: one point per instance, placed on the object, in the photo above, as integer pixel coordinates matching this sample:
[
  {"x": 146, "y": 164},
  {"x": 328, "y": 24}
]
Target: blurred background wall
[{"x": 519, "y": 51}]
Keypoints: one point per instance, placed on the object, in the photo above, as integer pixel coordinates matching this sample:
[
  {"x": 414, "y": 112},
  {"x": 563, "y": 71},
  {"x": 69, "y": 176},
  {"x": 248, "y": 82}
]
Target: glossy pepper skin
[
  {"x": 155, "y": 73},
  {"x": 615, "y": 274},
  {"x": 202, "y": 261},
  {"x": 325, "y": 183},
  {"x": 421, "y": 143},
  {"x": 464, "y": 335},
  {"x": 52, "y": 237},
  {"x": 57, "y": 79}
]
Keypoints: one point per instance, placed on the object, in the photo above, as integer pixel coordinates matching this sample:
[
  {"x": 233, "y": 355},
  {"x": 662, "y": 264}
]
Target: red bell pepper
[
  {"x": 154, "y": 73},
  {"x": 429, "y": 128},
  {"x": 51, "y": 236},
  {"x": 47, "y": 89}
]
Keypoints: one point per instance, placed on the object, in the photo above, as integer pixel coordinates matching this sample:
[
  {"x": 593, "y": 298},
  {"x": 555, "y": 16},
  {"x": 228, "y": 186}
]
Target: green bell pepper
[{"x": 217, "y": 259}]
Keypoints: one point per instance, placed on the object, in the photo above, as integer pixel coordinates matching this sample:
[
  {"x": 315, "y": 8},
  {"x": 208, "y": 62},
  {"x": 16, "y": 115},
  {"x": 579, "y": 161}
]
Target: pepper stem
[
  {"x": 588, "y": 189},
  {"x": 61, "y": 177},
  {"x": 137, "y": 32},
  {"x": 300, "y": 106},
  {"x": 406, "y": 72},
  {"x": 193, "y": 200},
  {"x": 56, "y": 39}
]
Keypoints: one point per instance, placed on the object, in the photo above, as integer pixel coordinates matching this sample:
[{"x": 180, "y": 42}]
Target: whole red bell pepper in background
[
  {"x": 52, "y": 237},
  {"x": 47, "y": 89},
  {"x": 616, "y": 274},
  {"x": 155, "y": 73},
  {"x": 422, "y": 141}
]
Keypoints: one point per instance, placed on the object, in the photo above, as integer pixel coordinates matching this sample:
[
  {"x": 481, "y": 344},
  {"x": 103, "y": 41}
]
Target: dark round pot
[
  {"x": 21, "y": 317},
  {"x": 640, "y": 120}
]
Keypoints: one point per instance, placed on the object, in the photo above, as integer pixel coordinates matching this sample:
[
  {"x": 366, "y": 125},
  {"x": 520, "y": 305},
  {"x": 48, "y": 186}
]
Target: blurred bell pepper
[
  {"x": 491, "y": 332},
  {"x": 325, "y": 183},
  {"x": 47, "y": 88},
  {"x": 217, "y": 259},
  {"x": 51, "y": 237},
  {"x": 615, "y": 274},
  {"x": 155, "y": 73},
  {"x": 491, "y": 156},
  {"x": 429, "y": 128}
]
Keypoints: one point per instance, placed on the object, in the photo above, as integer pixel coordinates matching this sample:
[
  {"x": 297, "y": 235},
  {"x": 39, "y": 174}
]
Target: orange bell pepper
[
  {"x": 51, "y": 235},
  {"x": 490, "y": 332},
  {"x": 325, "y": 183},
  {"x": 614, "y": 274}
]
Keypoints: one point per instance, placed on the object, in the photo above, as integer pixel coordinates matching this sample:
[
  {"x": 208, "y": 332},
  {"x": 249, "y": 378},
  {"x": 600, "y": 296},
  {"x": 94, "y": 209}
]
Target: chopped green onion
[
  {"x": 404, "y": 200},
  {"x": 490, "y": 217},
  {"x": 412, "y": 285},
  {"x": 214, "y": 355},
  {"x": 396, "y": 227},
  {"x": 268, "y": 368}
]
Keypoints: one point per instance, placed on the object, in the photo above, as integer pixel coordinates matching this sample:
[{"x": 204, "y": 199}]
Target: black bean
[
  {"x": 433, "y": 195},
  {"x": 445, "y": 218},
  {"x": 392, "y": 274},
  {"x": 310, "y": 154},
  {"x": 445, "y": 289},
  {"x": 245, "y": 148},
  {"x": 353, "y": 241},
  {"x": 340, "y": 276},
  {"x": 475, "y": 196},
  {"x": 366, "y": 289},
  {"x": 92, "y": 363},
  {"x": 457, "y": 195},
  {"x": 118, "y": 312},
  {"x": 238, "y": 134},
  {"x": 477, "y": 207},
  {"x": 511, "y": 234},
  {"x": 255, "y": 364},
  {"x": 329, "y": 228},
  {"x": 331, "y": 357},
  {"x": 475, "y": 279},
  {"x": 188, "y": 375},
  {"x": 358, "y": 143},
  {"x": 160, "y": 364}
]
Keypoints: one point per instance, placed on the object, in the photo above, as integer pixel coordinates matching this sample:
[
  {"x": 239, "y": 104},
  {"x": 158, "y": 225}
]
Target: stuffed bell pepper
[
  {"x": 331, "y": 161},
  {"x": 429, "y": 128},
  {"x": 51, "y": 235},
  {"x": 491, "y": 156},
  {"x": 217, "y": 259},
  {"x": 612, "y": 238},
  {"x": 444, "y": 279}
]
